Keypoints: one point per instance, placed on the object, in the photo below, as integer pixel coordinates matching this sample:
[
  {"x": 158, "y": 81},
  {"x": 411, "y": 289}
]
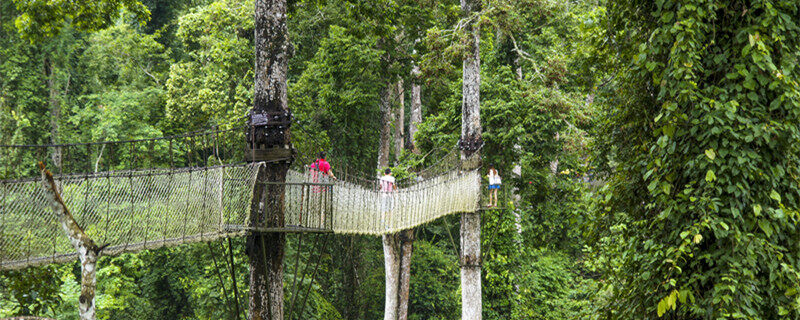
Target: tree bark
[
  {"x": 385, "y": 134},
  {"x": 399, "y": 127},
  {"x": 471, "y": 300},
  {"x": 416, "y": 110},
  {"x": 391, "y": 262},
  {"x": 406, "y": 238},
  {"x": 554, "y": 163},
  {"x": 266, "y": 250},
  {"x": 88, "y": 252},
  {"x": 55, "y": 111}
]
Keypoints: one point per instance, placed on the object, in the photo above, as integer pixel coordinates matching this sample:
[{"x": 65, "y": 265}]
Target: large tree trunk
[
  {"x": 266, "y": 250},
  {"x": 88, "y": 252},
  {"x": 471, "y": 301},
  {"x": 416, "y": 110},
  {"x": 399, "y": 126}
]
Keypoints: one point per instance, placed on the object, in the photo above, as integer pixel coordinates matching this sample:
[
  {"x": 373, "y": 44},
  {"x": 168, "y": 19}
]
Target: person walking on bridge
[
  {"x": 320, "y": 170},
  {"x": 322, "y": 166},
  {"x": 387, "y": 187}
]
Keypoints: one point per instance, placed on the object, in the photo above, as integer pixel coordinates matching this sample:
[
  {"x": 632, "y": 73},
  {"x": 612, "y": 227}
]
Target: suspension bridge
[{"x": 149, "y": 193}]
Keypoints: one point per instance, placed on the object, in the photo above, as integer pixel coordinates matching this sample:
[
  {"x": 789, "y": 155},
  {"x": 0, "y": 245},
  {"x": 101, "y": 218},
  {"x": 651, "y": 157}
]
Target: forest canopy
[{"x": 648, "y": 149}]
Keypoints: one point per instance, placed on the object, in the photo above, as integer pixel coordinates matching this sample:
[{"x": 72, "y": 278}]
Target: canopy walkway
[{"x": 203, "y": 192}]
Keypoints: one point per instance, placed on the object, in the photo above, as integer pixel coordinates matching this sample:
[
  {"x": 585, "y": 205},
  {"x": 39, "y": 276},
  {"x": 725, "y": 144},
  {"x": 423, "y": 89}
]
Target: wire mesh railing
[
  {"x": 148, "y": 193},
  {"x": 128, "y": 211}
]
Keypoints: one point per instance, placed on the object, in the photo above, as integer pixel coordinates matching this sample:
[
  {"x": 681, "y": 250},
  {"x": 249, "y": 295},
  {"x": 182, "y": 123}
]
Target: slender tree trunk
[
  {"x": 391, "y": 262},
  {"x": 385, "y": 134},
  {"x": 88, "y": 252},
  {"x": 55, "y": 111},
  {"x": 471, "y": 301},
  {"x": 554, "y": 163},
  {"x": 518, "y": 66},
  {"x": 390, "y": 251},
  {"x": 517, "y": 172},
  {"x": 266, "y": 250},
  {"x": 406, "y": 238},
  {"x": 399, "y": 127},
  {"x": 416, "y": 110}
]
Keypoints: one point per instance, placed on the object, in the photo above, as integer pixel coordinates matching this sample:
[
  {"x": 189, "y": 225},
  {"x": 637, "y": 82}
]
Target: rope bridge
[{"x": 204, "y": 193}]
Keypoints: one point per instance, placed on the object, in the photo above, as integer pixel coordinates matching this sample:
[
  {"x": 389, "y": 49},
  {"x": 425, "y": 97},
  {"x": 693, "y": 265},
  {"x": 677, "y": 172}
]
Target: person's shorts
[
  {"x": 494, "y": 186},
  {"x": 387, "y": 202}
]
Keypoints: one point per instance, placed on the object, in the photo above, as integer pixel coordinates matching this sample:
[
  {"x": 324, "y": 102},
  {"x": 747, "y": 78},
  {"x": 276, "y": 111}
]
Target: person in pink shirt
[
  {"x": 319, "y": 170},
  {"x": 322, "y": 166},
  {"x": 387, "y": 187}
]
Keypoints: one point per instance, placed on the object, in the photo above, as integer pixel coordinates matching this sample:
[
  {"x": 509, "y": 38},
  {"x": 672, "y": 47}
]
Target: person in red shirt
[
  {"x": 322, "y": 166},
  {"x": 319, "y": 170}
]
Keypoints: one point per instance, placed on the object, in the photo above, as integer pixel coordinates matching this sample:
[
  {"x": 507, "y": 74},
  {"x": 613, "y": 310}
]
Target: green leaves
[
  {"x": 39, "y": 20},
  {"x": 668, "y": 303},
  {"x": 775, "y": 196},
  {"x": 702, "y": 105},
  {"x": 711, "y": 154},
  {"x": 710, "y": 176}
]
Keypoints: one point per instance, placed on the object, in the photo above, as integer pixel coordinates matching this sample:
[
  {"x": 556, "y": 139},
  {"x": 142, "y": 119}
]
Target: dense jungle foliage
[{"x": 651, "y": 146}]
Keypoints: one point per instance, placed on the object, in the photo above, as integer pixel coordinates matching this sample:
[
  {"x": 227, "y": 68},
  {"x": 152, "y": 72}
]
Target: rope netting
[
  {"x": 196, "y": 188},
  {"x": 129, "y": 211},
  {"x": 361, "y": 210}
]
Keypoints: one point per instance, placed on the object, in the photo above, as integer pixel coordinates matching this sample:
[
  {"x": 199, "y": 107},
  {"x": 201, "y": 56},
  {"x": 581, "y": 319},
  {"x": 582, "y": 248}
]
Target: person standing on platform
[{"x": 494, "y": 185}]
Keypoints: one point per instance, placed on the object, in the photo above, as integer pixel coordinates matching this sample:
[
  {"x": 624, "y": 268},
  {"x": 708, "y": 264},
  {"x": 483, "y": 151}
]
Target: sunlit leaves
[{"x": 39, "y": 20}]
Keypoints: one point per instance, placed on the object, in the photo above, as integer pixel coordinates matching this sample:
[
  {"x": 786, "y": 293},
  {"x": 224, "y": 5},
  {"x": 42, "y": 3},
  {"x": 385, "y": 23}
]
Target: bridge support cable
[
  {"x": 313, "y": 275},
  {"x": 296, "y": 269},
  {"x": 232, "y": 267},
  {"x": 219, "y": 278}
]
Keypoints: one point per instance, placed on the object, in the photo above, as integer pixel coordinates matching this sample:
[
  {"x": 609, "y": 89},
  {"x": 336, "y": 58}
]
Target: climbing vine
[{"x": 700, "y": 215}]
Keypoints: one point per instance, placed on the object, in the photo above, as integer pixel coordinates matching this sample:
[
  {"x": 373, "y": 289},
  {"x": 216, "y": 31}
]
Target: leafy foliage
[
  {"x": 699, "y": 220},
  {"x": 41, "y": 19}
]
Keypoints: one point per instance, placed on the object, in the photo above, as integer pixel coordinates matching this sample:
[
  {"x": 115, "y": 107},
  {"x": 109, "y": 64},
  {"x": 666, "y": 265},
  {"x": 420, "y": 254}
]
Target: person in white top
[
  {"x": 387, "y": 187},
  {"x": 494, "y": 185}
]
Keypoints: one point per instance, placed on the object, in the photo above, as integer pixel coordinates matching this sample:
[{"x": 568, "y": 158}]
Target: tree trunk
[
  {"x": 406, "y": 238},
  {"x": 399, "y": 127},
  {"x": 518, "y": 66},
  {"x": 416, "y": 110},
  {"x": 88, "y": 252},
  {"x": 385, "y": 134},
  {"x": 471, "y": 301},
  {"x": 55, "y": 111},
  {"x": 554, "y": 163},
  {"x": 517, "y": 172},
  {"x": 266, "y": 250},
  {"x": 391, "y": 262}
]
